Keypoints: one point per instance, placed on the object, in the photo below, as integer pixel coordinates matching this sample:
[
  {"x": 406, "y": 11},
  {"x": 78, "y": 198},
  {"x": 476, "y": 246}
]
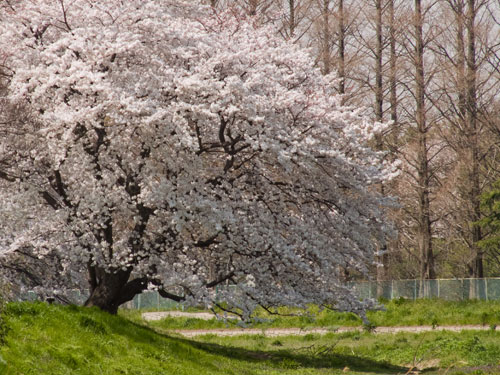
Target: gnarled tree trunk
[{"x": 109, "y": 290}]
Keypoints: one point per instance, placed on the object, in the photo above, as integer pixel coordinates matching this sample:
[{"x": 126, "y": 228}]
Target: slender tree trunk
[
  {"x": 424, "y": 222},
  {"x": 252, "y": 7},
  {"x": 392, "y": 62},
  {"x": 460, "y": 18},
  {"x": 379, "y": 94},
  {"x": 379, "y": 116},
  {"x": 476, "y": 266},
  {"x": 326, "y": 38},
  {"x": 291, "y": 26},
  {"x": 341, "y": 47}
]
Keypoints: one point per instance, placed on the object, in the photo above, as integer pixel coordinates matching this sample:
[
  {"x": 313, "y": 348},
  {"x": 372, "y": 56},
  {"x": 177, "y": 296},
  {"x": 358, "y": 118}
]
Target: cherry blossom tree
[{"x": 175, "y": 148}]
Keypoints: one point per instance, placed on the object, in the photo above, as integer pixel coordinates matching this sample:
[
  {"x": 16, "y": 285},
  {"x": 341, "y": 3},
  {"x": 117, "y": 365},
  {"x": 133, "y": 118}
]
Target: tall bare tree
[
  {"x": 469, "y": 85},
  {"x": 424, "y": 222},
  {"x": 393, "y": 61}
]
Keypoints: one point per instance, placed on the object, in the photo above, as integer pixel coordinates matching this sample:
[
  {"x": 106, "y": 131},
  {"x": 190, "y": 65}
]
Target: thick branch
[
  {"x": 220, "y": 280},
  {"x": 171, "y": 296},
  {"x": 131, "y": 289}
]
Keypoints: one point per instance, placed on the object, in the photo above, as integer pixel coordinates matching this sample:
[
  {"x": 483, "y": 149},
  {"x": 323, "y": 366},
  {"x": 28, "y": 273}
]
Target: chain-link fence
[
  {"x": 448, "y": 289},
  {"x": 146, "y": 300},
  {"x": 152, "y": 300}
]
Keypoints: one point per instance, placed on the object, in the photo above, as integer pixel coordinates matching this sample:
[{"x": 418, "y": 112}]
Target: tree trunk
[
  {"x": 379, "y": 94},
  {"x": 252, "y": 7},
  {"x": 291, "y": 25},
  {"x": 326, "y": 38},
  {"x": 109, "y": 290},
  {"x": 392, "y": 62},
  {"x": 476, "y": 266},
  {"x": 341, "y": 48},
  {"x": 424, "y": 232},
  {"x": 379, "y": 116}
]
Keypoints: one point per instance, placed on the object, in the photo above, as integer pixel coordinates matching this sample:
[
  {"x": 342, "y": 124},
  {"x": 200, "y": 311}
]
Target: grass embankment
[
  {"x": 397, "y": 313},
  {"x": 46, "y": 339}
]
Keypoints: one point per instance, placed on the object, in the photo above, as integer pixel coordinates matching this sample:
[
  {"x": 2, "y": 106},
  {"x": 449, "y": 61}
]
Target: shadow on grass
[{"x": 283, "y": 358}]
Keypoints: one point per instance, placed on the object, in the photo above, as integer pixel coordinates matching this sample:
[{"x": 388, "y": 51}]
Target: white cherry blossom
[{"x": 175, "y": 148}]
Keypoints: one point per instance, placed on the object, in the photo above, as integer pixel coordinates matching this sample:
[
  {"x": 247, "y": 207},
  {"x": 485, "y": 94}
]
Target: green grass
[
  {"x": 431, "y": 349},
  {"x": 397, "y": 313},
  {"x": 437, "y": 312},
  {"x": 46, "y": 339},
  {"x": 53, "y": 340}
]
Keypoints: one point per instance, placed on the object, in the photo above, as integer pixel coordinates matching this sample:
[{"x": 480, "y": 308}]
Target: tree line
[{"x": 431, "y": 68}]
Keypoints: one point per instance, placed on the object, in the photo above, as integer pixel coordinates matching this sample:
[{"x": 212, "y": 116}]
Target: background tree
[{"x": 468, "y": 107}]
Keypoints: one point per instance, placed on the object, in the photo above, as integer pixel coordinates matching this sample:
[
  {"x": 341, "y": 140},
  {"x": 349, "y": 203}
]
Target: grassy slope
[
  {"x": 397, "y": 313},
  {"x": 54, "y": 340}
]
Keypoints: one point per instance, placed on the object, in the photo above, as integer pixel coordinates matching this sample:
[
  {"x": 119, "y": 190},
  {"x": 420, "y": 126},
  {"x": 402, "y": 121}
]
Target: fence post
[
  {"x": 439, "y": 289},
  {"x": 415, "y": 289},
  {"x": 486, "y": 288},
  {"x": 157, "y": 301},
  {"x": 139, "y": 302}
]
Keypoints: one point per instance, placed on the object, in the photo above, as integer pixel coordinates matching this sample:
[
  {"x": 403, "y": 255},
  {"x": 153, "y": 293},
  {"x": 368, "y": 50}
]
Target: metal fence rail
[{"x": 448, "y": 289}]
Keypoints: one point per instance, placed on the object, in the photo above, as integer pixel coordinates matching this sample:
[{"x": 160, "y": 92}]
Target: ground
[{"x": 60, "y": 340}]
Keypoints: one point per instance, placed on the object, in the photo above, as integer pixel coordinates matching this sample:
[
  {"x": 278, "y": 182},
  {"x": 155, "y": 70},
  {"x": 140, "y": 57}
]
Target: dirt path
[
  {"x": 273, "y": 332},
  {"x": 176, "y": 314}
]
